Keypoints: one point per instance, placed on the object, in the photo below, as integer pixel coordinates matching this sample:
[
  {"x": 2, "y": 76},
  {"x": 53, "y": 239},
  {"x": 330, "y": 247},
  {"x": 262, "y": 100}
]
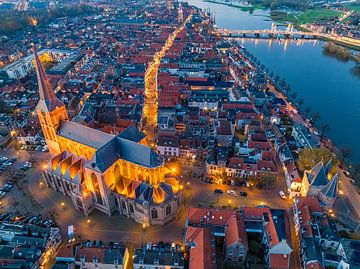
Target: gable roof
[
  {"x": 201, "y": 250},
  {"x": 83, "y": 134},
  {"x": 331, "y": 187},
  {"x": 235, "y": 232},
  {"x": 317, "y": 175}
]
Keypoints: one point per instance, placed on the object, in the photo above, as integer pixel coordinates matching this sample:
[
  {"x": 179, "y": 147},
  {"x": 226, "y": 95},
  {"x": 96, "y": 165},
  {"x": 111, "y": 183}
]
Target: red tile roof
[
  {"x": 202, "y": 253},
  {"x": 209, "y": 215},
  {"x": 279, "y": 261},
  {"x": 235, "y": 232}
]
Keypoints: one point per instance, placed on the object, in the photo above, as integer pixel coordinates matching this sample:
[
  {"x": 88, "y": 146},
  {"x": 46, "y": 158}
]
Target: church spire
[
  {"x": 47, "y": 95},
  {"x": 45, "y": 90}
]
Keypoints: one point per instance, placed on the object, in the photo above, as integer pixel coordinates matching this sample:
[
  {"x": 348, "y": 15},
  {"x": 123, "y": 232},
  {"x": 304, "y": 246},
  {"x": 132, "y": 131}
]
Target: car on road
[
  {"x": 7, "y": 163},
  {"x": 27, "y": 165},
  {"x": 7, "y": 187},
  {"x": 2, "y": 194},
  {"x": 282, "y": 194},
  {"x": 346, "y": 173},
  {"x": 243, "y": 193},
  {"x": 231, "y": 192},
  {"x": 218, "y": 191}
]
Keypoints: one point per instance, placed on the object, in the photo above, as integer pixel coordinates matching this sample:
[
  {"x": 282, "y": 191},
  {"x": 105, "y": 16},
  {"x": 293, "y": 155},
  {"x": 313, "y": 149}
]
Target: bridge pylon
[
  {"x": 273, "y": 27},
  {"x": 290, "y": 28}
]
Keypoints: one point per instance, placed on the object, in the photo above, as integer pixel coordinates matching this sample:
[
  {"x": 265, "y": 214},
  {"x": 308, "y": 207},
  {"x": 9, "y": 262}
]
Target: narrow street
[{"x": 150, "y": 109}]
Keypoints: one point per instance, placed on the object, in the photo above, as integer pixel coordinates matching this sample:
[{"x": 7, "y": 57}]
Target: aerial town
[{"x": 140, "y": 134}]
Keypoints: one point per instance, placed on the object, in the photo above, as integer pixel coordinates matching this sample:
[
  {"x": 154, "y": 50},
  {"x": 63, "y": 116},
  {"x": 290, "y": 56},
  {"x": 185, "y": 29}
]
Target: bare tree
[
  {"x": 355, "y": 170},
  {"x": 345, "y": 153},
  {"x": 315, "y": 117},
  {"x": 324, "y": 129},
  {"x": 307, "y": 111},
  {"x": 293, "y": 96},
  {"x": 300, "y": 102}
]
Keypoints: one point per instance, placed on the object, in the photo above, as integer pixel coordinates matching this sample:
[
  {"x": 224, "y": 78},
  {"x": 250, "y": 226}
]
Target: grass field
[
  {"x": 353, "y": 6},
  {"x": 313, "y": 15},
  {"x": 308, "y": 16}
]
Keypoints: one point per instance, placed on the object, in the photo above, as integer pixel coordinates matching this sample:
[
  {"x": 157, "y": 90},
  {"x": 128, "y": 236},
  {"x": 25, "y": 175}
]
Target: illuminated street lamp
[
  {"x": 45, "y": 166},
  {"x": 88, "y": 221}
]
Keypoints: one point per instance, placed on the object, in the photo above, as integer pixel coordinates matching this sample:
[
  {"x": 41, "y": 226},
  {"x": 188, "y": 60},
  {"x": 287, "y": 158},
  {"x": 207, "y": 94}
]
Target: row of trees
[
  {"x": 286, "y": 89},
  {"x": 308, "y": 158}
]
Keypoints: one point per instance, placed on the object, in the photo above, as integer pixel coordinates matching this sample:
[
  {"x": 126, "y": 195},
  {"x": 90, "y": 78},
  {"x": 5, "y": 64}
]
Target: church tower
[
  {"x": 180, "y": 14},
  {"x": 50, "y": 110}
]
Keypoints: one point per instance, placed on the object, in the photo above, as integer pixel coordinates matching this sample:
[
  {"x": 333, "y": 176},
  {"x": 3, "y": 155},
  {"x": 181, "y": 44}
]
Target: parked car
[
  {"x": 7, "y": 188},
  {"x": 218, "y": 191},
  {"x": 7, "y": 163},
  {"x": 2, "y": 194},
  {"x": 243, "y": 193},
  {"x": 282, "y": 194},
  {"x": 231, "y": 192}
]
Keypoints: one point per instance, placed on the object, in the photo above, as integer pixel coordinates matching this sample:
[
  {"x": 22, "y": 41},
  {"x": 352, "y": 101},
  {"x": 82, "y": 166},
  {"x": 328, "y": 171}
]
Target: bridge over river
[{"x": 288, "y": 33}]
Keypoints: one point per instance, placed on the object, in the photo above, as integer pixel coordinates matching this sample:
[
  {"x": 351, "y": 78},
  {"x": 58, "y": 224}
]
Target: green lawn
[
  {"x": 308, "y": 16},
  {"x": 353, "y": 6},
  {"x": 313, "y": 15}
]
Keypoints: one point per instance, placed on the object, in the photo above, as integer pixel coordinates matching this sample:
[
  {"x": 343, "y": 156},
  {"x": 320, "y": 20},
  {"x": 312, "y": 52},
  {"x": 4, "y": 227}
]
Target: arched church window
[
  {"x": 123, "y": 204},
  {"x": 154, "y": 213},
  {"x": 95, "y": 183},
  {"x": 168, "y": 209}
]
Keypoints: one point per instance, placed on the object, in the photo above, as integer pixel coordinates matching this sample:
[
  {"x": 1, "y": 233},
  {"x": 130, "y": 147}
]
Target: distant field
[
  {"x": 308, "y": 16},
  {"x": 313, "y": 15},
  {"x": 353, "y": 6}
]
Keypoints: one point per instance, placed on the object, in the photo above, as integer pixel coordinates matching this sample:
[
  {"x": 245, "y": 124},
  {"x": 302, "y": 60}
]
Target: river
[{"x": 326, "y": 84}]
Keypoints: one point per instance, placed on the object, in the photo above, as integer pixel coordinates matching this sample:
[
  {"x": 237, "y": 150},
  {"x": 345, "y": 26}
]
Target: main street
[{"x": 150, "y": 109}]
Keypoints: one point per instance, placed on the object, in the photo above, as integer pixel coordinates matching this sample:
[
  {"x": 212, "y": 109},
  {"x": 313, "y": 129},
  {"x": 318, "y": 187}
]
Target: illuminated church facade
[{"x": 100, "y": 171}]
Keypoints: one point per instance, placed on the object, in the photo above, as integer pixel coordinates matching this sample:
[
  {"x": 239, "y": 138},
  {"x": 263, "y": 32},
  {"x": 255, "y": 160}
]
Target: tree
[
  {"x": 345, "y": 153},
  {"x": 300, "y": 102},
  {"x": 355, "y": 171},
  {"x": 315, "y": 117},
  {"x": 293, "y": 95},
  {"x": 266, "y": 180},
  {"x": 307, "y": 111},
  {"x": 308, "y": 158},
  {"x": 324, "y": 129}
]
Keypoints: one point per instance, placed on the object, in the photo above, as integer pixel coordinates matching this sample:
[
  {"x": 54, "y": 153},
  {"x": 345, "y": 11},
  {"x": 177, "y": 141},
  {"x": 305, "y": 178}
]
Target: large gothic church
[{"x": 110, "y": 173}]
